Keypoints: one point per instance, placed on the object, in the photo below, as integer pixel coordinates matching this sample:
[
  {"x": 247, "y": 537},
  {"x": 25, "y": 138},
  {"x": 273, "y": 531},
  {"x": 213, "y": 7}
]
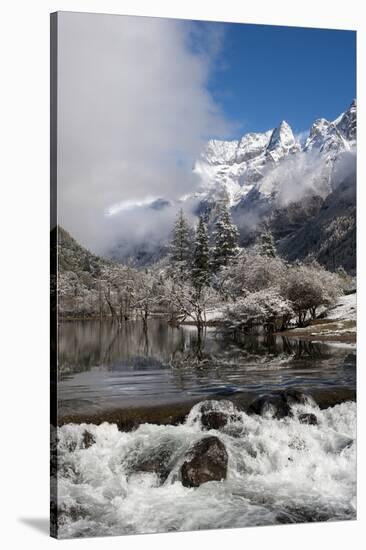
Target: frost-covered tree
[
  {"x": 265, "y": 308},
  {"x": 308, "y": 287},
  {"x": 267, "y": 245},
  {"x": 251, "y": 272},
  {"x": 148, "y": 294},
  {"x": 181, "y": 245},
  {"x": 182, "y": 299},
  {"x": 226, "y": 239},
  {"x": 201, "y": 258}
]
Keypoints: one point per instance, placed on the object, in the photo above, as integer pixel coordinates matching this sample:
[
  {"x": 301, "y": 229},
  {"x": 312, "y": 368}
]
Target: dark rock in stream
[
  {"x": 308, "y": 418},
  {"x": 157, "y": 460},
  {"x": 275, "y": 405},
  {"x": 293, "y": 397},
  {"x": 206, "y": 461},
  {"x": 213, "y": 419},
  {"x": 88, "y": 439},
  {"x": 130, "y": 418},
  {"x": 279, "y": 404}
]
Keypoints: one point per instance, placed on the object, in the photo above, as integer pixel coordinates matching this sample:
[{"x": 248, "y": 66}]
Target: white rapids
[{"x": 279, "y": 471}]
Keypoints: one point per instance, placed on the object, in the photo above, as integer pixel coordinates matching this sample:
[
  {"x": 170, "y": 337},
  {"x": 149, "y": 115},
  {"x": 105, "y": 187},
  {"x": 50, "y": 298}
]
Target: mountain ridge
[
  {"x": 237, "y": 166},
  {"x": 266, "y": 177}
]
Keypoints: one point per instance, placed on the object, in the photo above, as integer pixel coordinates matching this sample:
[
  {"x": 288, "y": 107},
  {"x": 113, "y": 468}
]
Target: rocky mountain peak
[
  {"x": 330, "y": 138},
  {"x": 282, "y": 142},
  {"x": 282, "y": 134},
  {"x": 235, "y": 169},
  {"x": 317, "y": 134},
  {"x": 347, "y": 122},
  {"x": 252, "y": 145}
]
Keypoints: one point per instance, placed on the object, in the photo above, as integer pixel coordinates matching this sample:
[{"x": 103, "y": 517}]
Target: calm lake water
[{"x": 102, "y": 366}]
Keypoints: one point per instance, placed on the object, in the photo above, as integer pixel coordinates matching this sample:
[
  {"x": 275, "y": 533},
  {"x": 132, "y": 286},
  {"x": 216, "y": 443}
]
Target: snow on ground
[
  {"x": 341, "y": 345},
  {"x": 336, "y": 325},
  {"x": 344, "y": 309},
  {"x": 215, "y": 314}
]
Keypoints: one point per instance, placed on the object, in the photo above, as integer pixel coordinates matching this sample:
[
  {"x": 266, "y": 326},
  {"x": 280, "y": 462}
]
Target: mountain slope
[
  {"x": 272, "y": 177},
  {"x": 74, "y": 257},
  {"x": 234, "y": 169},
  {"x": 330, "y": 235}
]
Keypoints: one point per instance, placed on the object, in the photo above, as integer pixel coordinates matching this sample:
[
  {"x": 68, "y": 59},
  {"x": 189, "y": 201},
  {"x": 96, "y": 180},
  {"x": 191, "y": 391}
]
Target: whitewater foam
[{"x": 279, "y": 471}]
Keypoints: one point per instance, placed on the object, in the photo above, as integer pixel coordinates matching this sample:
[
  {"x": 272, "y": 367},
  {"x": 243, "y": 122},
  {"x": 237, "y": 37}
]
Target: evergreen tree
[
  {"x": 86, "y": 263},
  {"x": 180, "y": 247},
  {"x": 267, "y": 244},
  {"x": 201, "y": 257},
  {"x": 226, "y": 239}
]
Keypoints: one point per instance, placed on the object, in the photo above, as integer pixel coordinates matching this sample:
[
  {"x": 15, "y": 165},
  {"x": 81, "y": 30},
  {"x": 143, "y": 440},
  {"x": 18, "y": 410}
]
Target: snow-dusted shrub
[
  {"x": 265, "y": 308},
  {"x": 250, "y": 273},
  {"x": 308, "y": 287}
]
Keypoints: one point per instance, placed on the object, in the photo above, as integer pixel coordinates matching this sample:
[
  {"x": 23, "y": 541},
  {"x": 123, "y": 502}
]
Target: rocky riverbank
[{"x": 130, "y": 418}]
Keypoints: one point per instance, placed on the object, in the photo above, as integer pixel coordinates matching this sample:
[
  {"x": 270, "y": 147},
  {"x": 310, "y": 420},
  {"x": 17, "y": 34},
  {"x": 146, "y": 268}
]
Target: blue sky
[
  {"x": 134, "y": 88},
  {"x": 264, "y": 74}
]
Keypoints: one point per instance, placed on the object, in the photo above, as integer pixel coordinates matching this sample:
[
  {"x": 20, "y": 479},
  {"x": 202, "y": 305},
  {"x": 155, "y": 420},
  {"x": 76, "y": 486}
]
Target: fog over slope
[{"x": 268, "y": 177}]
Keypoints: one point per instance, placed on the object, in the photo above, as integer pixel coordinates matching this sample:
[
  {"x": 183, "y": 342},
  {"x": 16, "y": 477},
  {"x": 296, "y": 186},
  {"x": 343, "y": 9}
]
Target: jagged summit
[
  {"x": 336, "y": 135},
  {"x": 282, "y": 135},
  {"x": 282, "y": 142},
  {"x": 347, "y": 122},
  {"x": 232, "y": 169}
]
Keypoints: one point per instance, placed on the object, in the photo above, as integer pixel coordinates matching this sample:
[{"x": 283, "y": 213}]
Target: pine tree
[
  {"x": 201, "y": 257},
  {"x": 86, "y": 263},
  {"x": 226, "y": 239},
  {"x": 180, "y": 247},
  {"x": 267, "y": 244}
]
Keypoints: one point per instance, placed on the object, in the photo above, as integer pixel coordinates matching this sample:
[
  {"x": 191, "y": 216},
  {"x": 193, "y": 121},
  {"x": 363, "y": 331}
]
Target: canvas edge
[{"x": 53, "y": 272}]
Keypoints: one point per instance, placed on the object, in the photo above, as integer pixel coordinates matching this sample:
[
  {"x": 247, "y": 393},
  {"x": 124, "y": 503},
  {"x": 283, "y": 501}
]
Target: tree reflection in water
[{"x": 101, "y": 363}]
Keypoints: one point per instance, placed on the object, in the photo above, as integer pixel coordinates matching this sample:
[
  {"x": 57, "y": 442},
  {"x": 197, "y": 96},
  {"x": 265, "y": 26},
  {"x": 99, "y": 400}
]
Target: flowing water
[
  {"x": 279, "y": 470},
  {"x": 103, "y": 367}
]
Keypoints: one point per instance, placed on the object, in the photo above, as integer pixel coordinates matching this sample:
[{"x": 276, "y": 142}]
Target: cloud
[
  {"x": 295, "y": 178},
  {"x": 305, "y": 174},
  {"x": 130, "y": 204},
  {"x": 134, "y": 113},
  {"x": 345, "y": 167},
  {"x": 300, "y": 175}
]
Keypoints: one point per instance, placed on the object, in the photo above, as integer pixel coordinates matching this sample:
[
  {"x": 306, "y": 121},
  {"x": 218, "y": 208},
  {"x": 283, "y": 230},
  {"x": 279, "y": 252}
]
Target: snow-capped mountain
[
  {"x": 230, "y": 170},
  {"x": 330, "y": 138},
  {"x": 272, "y": 176}
]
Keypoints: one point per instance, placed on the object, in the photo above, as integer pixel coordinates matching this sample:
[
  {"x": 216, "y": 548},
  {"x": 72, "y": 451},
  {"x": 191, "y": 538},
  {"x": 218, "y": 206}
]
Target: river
[{"x": 279, "y": 470}]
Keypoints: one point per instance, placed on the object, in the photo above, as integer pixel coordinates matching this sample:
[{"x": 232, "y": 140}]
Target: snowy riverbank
[{"x": 337, "y": 324}]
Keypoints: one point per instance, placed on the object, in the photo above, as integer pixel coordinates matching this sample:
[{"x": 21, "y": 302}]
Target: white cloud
[
  {"x": 129, "y": 204},
  {"x": 134, "y": 112}
]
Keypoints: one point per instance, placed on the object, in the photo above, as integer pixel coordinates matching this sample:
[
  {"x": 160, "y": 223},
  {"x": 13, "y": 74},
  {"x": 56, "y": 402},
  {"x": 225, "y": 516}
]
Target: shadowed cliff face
[{"x": 330, "y": 234}]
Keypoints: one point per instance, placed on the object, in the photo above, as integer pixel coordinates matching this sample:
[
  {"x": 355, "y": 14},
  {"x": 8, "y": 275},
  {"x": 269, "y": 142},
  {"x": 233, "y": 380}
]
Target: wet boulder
[
  {"x": 275, "y": 406},
  {"x": 278, "y": 405},
  {"x": 216, "y": 415},
  {"x": 88, "y": 440},
  {"x": 308, "y": 418},
  {"x": 157, "y": 460},
  {"x": 206, "y": 461},
  {"x": 295, "y": 397}
]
